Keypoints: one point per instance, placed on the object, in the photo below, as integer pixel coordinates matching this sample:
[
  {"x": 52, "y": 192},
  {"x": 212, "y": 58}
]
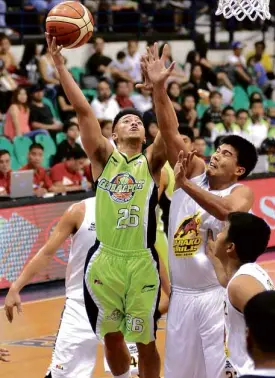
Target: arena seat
[
  {"x": 48, "y": 102},
  {"x": 241, "y": 100},
  {"x": 60, "y": 137},
  {"x": 6, "y": 144},
  {"x": 21, "y": 148}
]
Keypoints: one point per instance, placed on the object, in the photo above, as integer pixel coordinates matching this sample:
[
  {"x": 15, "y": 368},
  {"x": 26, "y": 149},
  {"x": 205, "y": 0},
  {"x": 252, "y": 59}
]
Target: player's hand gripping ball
[{"x": 71, "y": 23}]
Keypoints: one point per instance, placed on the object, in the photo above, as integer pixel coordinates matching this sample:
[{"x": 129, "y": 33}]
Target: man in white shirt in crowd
[{"x": 104, "y": 105}]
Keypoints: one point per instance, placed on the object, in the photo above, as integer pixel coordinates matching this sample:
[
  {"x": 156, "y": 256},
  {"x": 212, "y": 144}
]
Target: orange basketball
[{"x": 71, "y": 23}]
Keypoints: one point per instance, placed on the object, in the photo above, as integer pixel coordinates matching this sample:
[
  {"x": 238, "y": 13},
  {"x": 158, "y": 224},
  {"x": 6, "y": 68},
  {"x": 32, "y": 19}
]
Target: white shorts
[
  {"x": 194, "y": 336},
  {"x": 74, "y": 354}
]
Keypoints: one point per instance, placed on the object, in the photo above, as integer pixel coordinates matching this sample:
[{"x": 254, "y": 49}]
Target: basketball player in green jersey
[
  {"x": 165, "y": 192},
  {"x": 121, "y": 284}
]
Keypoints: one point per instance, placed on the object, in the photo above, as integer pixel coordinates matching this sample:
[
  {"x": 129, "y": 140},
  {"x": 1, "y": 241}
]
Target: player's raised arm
[
  {"x": 166, "y": 115},
  {"x": 96, "y": 146},
  {"x": 62, "y": 231}
]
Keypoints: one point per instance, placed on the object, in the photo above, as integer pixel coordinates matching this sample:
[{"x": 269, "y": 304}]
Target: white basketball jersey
[
  {"x": 82, "y": 241},
  {"x": 190, "y": 268},
  {"x": 237, "y": 360}
]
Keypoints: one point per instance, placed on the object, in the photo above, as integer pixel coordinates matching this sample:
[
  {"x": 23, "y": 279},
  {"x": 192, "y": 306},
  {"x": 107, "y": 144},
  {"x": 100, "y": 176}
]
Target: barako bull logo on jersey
[
  {"x": 122, "y": 187},
  {"x": 187, "y": 238}
]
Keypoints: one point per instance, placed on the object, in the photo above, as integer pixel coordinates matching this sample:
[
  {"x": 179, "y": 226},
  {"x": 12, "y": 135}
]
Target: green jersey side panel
[{"x": 126, "y": 198}]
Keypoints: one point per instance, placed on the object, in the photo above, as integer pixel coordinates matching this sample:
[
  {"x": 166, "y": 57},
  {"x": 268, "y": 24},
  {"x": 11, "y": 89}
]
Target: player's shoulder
[
  {"x": 76, "y": 209},
  {"x": 243, "y": 190}
]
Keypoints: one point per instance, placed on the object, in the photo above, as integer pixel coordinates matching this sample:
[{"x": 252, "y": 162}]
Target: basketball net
[{"x": 244, "y": 8}]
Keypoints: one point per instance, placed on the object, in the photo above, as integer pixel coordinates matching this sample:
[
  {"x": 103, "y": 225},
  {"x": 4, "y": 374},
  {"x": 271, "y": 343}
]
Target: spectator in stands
[
  {"x": 104, "y": 105},
  {"x": 41, "y": 181},
  {"x": 98, "y": 62},
  {"x": 48, "y": 72},
  {"x": 5, "y": 171},
  {"x": 40, "y": 114},
  {"x": 238, "y": 63},
  {"x": 188, "y": 115},
  {"x": 258, "y": 126},
  {"x": 17, "y": 117},
  {"x": 6, "y": 55},
  {"x": 149, "y": 116},
  {"x": 259, "y": 315},
  {"x": 227, "y": 126},
  {"x": 142, "y": 100},
  {"x": 122, "y": 94},
  {"x": 259, "y": 75},
  {"x": 255, "y": 96},
  {"x": 178, "y": 73},
  {"x": 121, "y": 66},
  {"x": 262, "y": 57},
  {"x": 72, "y": 133},
  {"x": 151, "y": 133},
  {"x": 29, "y": 65},
  {"x": 66, "y": 110},
  {"x": 209, "y": 72},
  {"x": 173, "y": 91},
  {"x": 196, "y": 83},
  {"x": 200, "y": 147},
  {"x": 242, "y": 120},
  {"x": 133, "y": 59},
  {"x": 212, "y": 115},
  {"x": 43, "y": 6},
  {"x": 7, "y": 86},
  {"x": 107, "y": 130},
  {"x": 68, "y": 173}
]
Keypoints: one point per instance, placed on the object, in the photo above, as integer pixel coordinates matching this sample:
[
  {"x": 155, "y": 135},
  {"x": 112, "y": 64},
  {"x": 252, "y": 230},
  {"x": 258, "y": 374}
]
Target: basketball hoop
[{"x": 244, "y": 8}]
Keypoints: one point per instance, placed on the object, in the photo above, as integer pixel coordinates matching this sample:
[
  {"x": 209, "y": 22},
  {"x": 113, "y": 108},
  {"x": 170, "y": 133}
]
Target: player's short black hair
[
  {"x": 260, "y": 43},
  {"x": 225, "y": 110},
  {"x": 259, "y": 314},
  {"x": 4, "y": 152},
  {"x": 76, "y": 153},
  {"x": 250, "y": 234},
  {"x": 246, "y": 152},
  {"x": 185, "y": 130},
  {"x": 124, "y": 112},
  {"x": 36, "y": 146},
  {"x": 240, "y": 111}
]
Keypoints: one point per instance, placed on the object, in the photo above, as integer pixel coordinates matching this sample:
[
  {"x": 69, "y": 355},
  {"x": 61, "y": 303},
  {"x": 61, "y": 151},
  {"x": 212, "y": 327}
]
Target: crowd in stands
[{"x": 40, "y": 128}]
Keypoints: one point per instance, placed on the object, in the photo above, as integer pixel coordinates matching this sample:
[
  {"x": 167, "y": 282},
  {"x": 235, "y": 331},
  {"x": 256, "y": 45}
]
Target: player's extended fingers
[
  {"x": 4, "y": 354},
  {"x": 184, "y": 165},
  {"x": 150, "y": 55},
  {"x": 165, "y": 53},
  {"x": 59, "y": 48},
  {"x": 9, "y": 313},
  {"x": 54, "y": 45},
  {"x": 48, "y": 39},
  {"x": 156, "y": 51},
  {"x": 180, "y": 157},
  {"x": 170, "y": 69}
]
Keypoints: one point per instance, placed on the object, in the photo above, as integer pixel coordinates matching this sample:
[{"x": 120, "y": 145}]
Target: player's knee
[{"x": 113, "y": 340}]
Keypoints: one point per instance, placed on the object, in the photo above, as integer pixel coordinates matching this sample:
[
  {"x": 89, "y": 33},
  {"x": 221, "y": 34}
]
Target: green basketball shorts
[{"x": 122, "y": 292}]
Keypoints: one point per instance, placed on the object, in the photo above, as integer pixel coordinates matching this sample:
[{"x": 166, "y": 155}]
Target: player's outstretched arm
[
  {"x": 240, "y": 199},
  {"x": 62, "y": 231},
  {"x": 166, "y": 115},
  {"x": 96, "y": 146},
  {"x": 242, "y": 289}
]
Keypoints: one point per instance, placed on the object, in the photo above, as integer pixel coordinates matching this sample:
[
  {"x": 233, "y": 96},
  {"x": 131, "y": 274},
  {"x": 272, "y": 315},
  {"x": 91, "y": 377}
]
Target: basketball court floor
[{"x": 31, "y": 336}]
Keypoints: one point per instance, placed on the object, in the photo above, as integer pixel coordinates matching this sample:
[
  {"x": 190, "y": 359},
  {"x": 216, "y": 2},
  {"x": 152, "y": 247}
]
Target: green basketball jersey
[{"x": 126, "y": 198}]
